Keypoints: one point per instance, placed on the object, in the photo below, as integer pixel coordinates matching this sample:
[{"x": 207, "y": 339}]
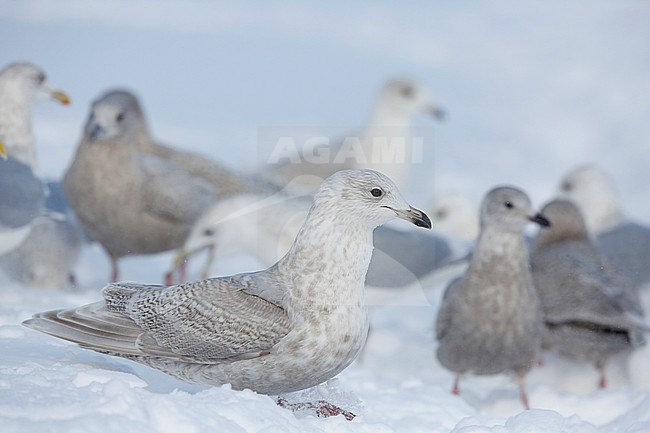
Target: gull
[
  {"x": 265, "y": 227},
  {"x": 489, "y": 320},
  {"x": 624, "y": 242},
  {"x": 46, "y": 257},
  {"x": 287, "y": 328},
  {"x": 22, "y": 197},
  {"x": 21, "y": 86},
  {"x": 589, "y": 312},
  {"x": 385, "y": 143},
  {"x": 136, "y": 196}
]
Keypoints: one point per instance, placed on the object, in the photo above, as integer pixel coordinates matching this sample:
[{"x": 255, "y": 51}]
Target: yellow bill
[{"x": 61, "y": 97}]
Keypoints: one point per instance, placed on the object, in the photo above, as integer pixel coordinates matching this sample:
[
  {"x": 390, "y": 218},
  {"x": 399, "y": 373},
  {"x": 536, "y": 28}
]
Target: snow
[{"x": 532, "y": 90}]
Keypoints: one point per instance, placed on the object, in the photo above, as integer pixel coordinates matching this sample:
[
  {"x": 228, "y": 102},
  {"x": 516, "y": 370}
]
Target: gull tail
[{"x": 91, "y": 326}]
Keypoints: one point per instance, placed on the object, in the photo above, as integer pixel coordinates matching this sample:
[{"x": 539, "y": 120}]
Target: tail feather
[{"x": 91, "y": 326}]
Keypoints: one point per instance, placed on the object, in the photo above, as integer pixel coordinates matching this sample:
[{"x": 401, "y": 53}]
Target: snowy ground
[{"x": 532, "y": 88}]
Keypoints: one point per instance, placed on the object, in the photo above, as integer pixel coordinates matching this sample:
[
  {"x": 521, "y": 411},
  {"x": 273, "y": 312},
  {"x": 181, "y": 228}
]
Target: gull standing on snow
[
  {"x": 625, "y": 243},
  {"x": 383, "y": 145},
  {"x": 589, "y": 312},
  {"x": 135, "y": 196},
  {"x": 21, "y": 86},
  {"x": 489, "y": 320},
  {"x": 289, "y": 327}
]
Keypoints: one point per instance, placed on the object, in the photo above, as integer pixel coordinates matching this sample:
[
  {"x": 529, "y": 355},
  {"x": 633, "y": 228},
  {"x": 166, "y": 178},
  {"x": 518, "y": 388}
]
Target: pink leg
[
  {"x": 523, "y": 396},
  {"x": 322, "y": 408},
  {"x": 116, "y": 272},
  {"x": 456, "y": 389},
  {"x": 602, "y": 381}
]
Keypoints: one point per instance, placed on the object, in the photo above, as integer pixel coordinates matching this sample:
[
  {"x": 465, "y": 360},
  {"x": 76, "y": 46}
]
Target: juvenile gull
[
  {"x": 489, "y": 320},
  {"x": 21, "y": 86},
  {"x": 589, "y": 312},
  {"x": 265, "y": 228},
  {"x": 133, "y": 195},
  {"x": 625, "y": 243},
  {"x": 287, "y": 328},
  {"x": 389, "y": 125}
]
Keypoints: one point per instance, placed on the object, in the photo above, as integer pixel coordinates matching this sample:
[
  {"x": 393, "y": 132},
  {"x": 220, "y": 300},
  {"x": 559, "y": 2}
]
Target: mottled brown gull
[
  {"x": 489, "y": 320},
  {"x": 287, "y": 328},
  {"x": 21, "y": 86},
  {"x": 590, "y": 313},
  {"x": 133, "y": 195},
  {"x": 385, "y": 143}
]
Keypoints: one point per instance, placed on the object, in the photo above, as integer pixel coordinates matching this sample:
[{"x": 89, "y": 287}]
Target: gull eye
[
  {"x": 407, "y": 91},
  {"x": 509, "y": 204},
  {"x": 208, "y": 232},
  {"x": 119, "y": 117},
  {"x": 441, "y": 214},
  {"x": 40, "y": 78},
  {"x": 376, "y": 192},
  {"x": 566, "y": 186}
]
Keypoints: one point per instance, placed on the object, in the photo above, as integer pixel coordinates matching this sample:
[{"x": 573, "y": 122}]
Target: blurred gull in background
[
  {"x": 625, "y": 243},
  {"x": 589, "y": 312},
  {"x": 135, "y": 196},
  {"x": 489, "y": 321},
  {"x": 385, "y": 144}
]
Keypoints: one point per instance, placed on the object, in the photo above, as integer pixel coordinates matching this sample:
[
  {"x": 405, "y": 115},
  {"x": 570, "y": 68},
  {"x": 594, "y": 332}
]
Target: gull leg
[
  {"x": 602, "y": 381},
  {"x": 115, "y": 274},
  {"x": 456, "y": 388},
  {"x": 322, "y": 408},
  {"x": 523, "y": 396}
]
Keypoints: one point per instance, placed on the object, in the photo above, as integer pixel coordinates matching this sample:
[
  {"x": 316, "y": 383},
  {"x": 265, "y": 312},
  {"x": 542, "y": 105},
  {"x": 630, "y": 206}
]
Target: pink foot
[{"x": 322, "y": 408}]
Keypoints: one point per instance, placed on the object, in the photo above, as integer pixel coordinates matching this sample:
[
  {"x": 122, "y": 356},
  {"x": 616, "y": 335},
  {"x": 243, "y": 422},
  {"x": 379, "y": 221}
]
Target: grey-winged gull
[
  {"x": 384, "y": 144},
  {"x": 47, "y": 256},
  {"x": 133, "y": 195},
  {"x": 21, "y": 86},
  {"x": 22, "y": 197},
  {"x": 589, "y": 312},
  {"x": 265, "y": 226},
  {"x": 287, "y": 328},
  {"x": 624, "y": 242},
  {"x": 489, "y": 320}
]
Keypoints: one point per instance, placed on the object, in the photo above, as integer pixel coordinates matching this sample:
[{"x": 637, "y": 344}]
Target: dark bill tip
[
  {"x": 541, "y": 220},
  {"x": 414, "y": 216}
]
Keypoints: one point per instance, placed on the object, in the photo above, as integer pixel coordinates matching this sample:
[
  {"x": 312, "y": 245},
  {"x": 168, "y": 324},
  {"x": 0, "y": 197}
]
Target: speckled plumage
[
  {"x": 489, "y": 320},
  {"x": 589, "y": 312},
  {"x": 132, "y": 195},
  {"x": 283, "y": 329}
]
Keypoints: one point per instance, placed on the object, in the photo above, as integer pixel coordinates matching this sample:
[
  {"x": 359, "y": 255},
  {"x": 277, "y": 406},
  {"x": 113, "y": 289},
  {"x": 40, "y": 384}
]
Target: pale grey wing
[
  {"x": 171, "y": 193},
  {"x": 210, "y": 321},
  {"x": 627, "y": 247},
  {"x": 22, "y": 195},
  {"x": 574, "y": 287},
  {"x": 226, "y": 181},
  {"x": 446, "y": 310}
]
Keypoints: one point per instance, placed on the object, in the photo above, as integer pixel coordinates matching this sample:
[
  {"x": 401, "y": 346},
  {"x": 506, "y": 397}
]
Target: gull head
[
  {"x": 568, "y": 222},
  {"x": 594, "y": 193},
  {"x": 116, "y": 115},
  {"x": 25, "y": 84},
  {"x": 509, "y": 209},
  {"x": 367, "y": 197},
  {"x": 406, "y": 98}
]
